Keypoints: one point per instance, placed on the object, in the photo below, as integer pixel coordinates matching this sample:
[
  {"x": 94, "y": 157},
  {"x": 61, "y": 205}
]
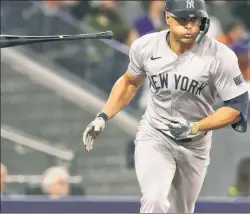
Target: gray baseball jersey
[{"x": 187, "y": 85}]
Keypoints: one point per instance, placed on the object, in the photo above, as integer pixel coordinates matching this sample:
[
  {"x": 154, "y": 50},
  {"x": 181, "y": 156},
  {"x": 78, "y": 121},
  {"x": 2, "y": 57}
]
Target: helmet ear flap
[{"x": 203, "y": 24}]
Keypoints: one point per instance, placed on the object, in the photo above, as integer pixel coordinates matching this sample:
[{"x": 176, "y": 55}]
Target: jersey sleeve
[
  {"x": 228, "y": 79},
  {"x": 136, "y": 59}
]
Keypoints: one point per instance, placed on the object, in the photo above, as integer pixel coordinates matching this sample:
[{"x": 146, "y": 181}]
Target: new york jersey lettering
[{"x": 183, "y": 83}]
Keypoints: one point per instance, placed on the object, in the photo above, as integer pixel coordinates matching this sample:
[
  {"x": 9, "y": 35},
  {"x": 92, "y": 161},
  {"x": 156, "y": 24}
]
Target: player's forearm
[
  {"x": 121, "y": 95},
  {"x": 224, "y": 116}
]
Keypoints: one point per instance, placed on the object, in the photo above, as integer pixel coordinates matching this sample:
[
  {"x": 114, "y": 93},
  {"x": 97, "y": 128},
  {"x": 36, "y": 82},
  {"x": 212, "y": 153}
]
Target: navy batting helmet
[{"x": 187, "y": 9}]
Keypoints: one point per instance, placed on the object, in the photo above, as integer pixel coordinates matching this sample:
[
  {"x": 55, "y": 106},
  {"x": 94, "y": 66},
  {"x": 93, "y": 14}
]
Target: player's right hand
[
  {"x": 93, "y": 130},
  {"x": 182, "y": 129}
]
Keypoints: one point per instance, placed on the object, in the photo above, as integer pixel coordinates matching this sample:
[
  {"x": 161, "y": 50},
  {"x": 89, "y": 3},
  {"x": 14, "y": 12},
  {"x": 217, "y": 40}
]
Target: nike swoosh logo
[{"x": 154, "y": 58}]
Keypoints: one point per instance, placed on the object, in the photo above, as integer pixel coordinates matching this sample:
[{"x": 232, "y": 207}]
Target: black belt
[{"x": 185, "y": 140}]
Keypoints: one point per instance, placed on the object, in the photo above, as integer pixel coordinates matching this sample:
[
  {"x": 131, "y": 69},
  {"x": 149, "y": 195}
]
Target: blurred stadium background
[{"x": 51, "y": 91}]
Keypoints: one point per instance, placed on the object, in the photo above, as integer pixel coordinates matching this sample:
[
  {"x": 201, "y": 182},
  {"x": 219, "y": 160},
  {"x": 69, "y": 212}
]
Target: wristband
[{"x": 103, "y": 116}]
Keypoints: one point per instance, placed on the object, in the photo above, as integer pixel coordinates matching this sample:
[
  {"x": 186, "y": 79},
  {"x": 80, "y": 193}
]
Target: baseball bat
[{"x": 15, "y": 40}]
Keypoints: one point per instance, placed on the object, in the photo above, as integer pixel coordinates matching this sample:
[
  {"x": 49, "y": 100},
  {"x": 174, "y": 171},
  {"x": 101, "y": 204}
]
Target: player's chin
[{"x": 189, "y": 40}]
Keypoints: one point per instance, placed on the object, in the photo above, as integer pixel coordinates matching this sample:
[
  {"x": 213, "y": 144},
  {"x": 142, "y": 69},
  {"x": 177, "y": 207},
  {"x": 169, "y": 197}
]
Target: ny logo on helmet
[{"x": 190, "y": 3}]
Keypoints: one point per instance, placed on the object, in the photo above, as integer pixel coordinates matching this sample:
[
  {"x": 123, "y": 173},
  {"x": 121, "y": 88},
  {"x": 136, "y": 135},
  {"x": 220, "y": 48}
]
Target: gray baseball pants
[{"x": 170, "y": 173}]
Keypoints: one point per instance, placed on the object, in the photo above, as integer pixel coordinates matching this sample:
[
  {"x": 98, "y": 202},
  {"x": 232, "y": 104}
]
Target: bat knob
[
  {"x": 106, "y": 35},
  {"x": 110, "y": 34}
]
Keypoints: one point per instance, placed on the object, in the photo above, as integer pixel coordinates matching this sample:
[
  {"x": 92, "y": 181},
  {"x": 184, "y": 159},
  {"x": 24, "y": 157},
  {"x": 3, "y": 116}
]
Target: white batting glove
[
  {"x": 183, "y": 128},
  {"x": 93, "y": 130}
]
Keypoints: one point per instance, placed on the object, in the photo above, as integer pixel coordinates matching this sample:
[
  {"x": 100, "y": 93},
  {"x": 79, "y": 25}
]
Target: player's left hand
[
  {"x": 92, "y": 131},
  {"x": 182, "y": 129}
]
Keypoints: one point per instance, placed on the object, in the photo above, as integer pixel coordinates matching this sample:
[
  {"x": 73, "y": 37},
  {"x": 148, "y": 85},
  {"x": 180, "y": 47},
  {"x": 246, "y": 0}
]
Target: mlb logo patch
[{"x": 239, "y": 79}]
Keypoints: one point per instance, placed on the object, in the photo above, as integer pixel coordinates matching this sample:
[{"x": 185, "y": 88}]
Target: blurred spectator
[
  {"x": 221, "y": 10},
  {"x": 242, "y": 187},
  {"x": 80, "y": 9},
  {"x": 233, "y": 38},
  {"x": 75, "y": 189},
  {"x": 104, "y": 17},
  {"x": 215, "y": 28},
  {"x": 233, "y": 33},
  {"x": 53, "y": 6},
  {"x": 242, "y": 9},
  {"x": 153, "y": 20},
  {"x": 242, "y": 51},
  {"x": 4, "y": 173},
  {"x": 130, "y": 10},
  {"x": 55, "y": 182}
]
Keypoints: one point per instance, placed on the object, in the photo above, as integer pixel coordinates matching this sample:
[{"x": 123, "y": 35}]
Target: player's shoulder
[
  {"x": 218, "y": 49},
  {"x": 148, "y": 40}
]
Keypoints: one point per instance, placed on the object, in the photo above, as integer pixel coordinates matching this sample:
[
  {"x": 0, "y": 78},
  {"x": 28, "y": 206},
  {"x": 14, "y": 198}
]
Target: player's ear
[{"x": 167, "y": 18}]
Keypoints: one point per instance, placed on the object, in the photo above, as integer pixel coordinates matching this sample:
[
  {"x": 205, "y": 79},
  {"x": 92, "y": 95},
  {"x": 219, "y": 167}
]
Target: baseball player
[{"x": 187, "y": 69}]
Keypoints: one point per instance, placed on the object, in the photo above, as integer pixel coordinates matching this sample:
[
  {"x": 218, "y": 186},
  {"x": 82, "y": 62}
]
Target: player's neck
[{"x": 178, "y": 47}]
